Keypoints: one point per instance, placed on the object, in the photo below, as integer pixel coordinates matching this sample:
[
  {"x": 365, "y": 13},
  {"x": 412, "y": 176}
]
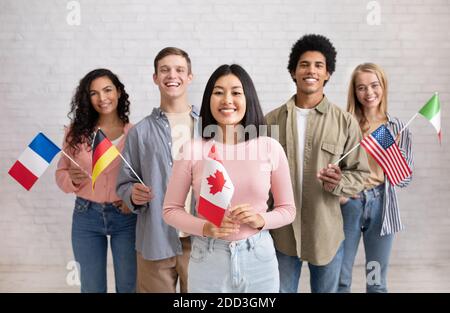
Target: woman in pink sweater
[
  {"x": 100, "y": 101},
  {"x": 238, "y": 256}
]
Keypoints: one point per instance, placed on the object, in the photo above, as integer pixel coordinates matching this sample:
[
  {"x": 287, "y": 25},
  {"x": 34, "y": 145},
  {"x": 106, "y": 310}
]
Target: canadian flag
[{"x": 216, "y": 189}]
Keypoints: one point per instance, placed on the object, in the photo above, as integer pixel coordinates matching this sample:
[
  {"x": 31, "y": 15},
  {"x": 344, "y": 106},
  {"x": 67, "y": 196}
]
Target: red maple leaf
[{"x": 217, "y": 182}]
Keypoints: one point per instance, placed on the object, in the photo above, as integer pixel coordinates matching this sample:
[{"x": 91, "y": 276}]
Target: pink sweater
[
  {"x": 255, "y": 167},
  {"x": 105, "y": 185}
]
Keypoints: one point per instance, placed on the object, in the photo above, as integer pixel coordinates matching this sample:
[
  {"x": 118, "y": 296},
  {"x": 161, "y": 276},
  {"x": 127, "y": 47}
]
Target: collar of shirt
[
  {"x": 322, "y": 107},
  {"x": 158, "y": 113},
  {"x": 390, "y": 119}
]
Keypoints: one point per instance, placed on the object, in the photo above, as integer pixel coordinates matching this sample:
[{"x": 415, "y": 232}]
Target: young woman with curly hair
[{"x": 100, "y": 101}]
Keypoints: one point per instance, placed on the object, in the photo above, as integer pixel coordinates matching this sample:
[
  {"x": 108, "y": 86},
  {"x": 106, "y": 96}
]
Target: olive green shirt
[{"x": 317, "y": 231}]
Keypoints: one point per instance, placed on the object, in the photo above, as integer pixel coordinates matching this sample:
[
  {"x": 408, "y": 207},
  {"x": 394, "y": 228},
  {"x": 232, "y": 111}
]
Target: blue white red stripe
[{"x": 33, "y": 162}]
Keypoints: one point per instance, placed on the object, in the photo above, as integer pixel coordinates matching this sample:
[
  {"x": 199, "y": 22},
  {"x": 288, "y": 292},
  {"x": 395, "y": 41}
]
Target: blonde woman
[{"x": 374, "y": 212}]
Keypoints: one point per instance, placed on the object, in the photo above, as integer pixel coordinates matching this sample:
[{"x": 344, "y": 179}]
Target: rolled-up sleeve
[{"x": 355, "y": 167}]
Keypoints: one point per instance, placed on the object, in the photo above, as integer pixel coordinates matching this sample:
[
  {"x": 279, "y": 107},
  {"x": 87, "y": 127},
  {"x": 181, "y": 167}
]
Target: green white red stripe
[{"x": 432, "y": 112}]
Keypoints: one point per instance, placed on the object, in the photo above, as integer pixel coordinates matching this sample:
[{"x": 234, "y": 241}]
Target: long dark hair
[
  {"x": 253, "y": 113},
  {"x": 82, "y": 114}
]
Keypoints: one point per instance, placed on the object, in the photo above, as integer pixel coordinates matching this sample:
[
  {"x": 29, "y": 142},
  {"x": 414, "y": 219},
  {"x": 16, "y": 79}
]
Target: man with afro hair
[{"x": 314, "y": 134}]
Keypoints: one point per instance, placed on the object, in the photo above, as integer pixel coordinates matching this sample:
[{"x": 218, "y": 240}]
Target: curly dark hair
[
  {"x": 313, "y": 42},
  {"x": 83, "y": 115}
]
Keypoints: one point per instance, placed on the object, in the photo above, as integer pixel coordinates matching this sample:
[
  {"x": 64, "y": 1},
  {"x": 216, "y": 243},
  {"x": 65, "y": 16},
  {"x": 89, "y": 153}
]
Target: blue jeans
[
  {"x": 323, "y": 279},
  {"x": 365, "y": 215},
  {"x": 247, "y": 265},
  {"x": 91, "y": 224}
]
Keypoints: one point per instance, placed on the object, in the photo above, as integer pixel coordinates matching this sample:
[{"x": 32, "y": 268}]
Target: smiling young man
[
  {"x": 314, "y": 134},
  {"x": 151, "y": 147}
]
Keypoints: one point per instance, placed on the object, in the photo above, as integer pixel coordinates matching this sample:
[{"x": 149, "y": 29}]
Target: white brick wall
[{"x": 42, "y": 58}]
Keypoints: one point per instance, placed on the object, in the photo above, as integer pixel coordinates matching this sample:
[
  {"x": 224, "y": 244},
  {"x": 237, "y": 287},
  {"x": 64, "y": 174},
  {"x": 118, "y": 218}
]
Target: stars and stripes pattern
[{"x": 382, "y": 147}]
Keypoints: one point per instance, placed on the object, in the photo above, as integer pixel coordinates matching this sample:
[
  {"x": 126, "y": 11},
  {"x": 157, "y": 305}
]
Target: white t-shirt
[
  {"x": 117, "y": 140},
  {"x": 302, "y": 119}
]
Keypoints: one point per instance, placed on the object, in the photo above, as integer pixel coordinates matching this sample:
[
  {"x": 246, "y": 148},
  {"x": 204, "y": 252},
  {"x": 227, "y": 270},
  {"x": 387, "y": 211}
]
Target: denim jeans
[
  {"x": 91, "y": 224},
  {"x": 247, "y": 265},
  {"x": 323, "y": 279},
  {"x": 365, "y": 215}
]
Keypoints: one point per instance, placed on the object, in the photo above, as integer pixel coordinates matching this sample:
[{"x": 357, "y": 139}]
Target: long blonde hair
[{"x": 354, "y": 106}]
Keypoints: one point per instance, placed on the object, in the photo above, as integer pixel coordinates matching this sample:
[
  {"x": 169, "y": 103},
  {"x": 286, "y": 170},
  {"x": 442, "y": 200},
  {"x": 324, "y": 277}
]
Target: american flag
[{"x": 382, "y": 147}]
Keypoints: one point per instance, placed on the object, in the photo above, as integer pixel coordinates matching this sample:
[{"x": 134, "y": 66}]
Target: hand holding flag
[
  {"x": 141, "y": 194},
  {"x": 330, "y": 176},
  {"x": 78, "y": 175},
  {"x": 227, "y": 227},
  {"x": 245, "y": 214}
]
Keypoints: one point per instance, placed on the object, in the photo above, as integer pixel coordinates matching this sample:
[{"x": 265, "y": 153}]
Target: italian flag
[{"x": 432, "y": 112}]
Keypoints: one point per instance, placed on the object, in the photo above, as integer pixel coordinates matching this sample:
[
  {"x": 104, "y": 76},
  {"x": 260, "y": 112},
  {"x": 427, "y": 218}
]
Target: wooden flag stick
[
  {"x": 73, "y": 161},
  {"x": 398, "y": 135},
  {"x": 337, "y": 162},
  {"x": 406, "y": 125},
  {"x": 128, "y": 164}
]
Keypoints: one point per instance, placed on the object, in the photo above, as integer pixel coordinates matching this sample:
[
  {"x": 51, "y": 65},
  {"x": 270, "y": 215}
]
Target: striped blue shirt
[{"x": 392, "y": 222}]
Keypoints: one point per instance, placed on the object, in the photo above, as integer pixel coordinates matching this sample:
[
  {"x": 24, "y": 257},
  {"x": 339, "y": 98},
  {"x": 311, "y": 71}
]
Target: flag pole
[
  {"x": 132, "y": 170},
  {"x": 398, "y": 135},
  {"x": 337, "y": 162},
  {"x": 121, "y": 156},
  {"x": 62, "y": 151},
  {"x": 406, "y": 125}
]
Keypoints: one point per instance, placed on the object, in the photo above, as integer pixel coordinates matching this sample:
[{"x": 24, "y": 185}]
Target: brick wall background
[{"x": 42, "y": 58}]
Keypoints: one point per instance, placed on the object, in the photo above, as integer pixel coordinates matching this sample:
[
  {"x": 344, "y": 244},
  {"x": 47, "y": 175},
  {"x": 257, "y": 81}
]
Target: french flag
[{"x": 33, "y": 162}]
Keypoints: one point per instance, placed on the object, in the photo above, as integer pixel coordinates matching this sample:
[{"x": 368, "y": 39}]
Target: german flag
[{"x": 103, "y": 153}]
